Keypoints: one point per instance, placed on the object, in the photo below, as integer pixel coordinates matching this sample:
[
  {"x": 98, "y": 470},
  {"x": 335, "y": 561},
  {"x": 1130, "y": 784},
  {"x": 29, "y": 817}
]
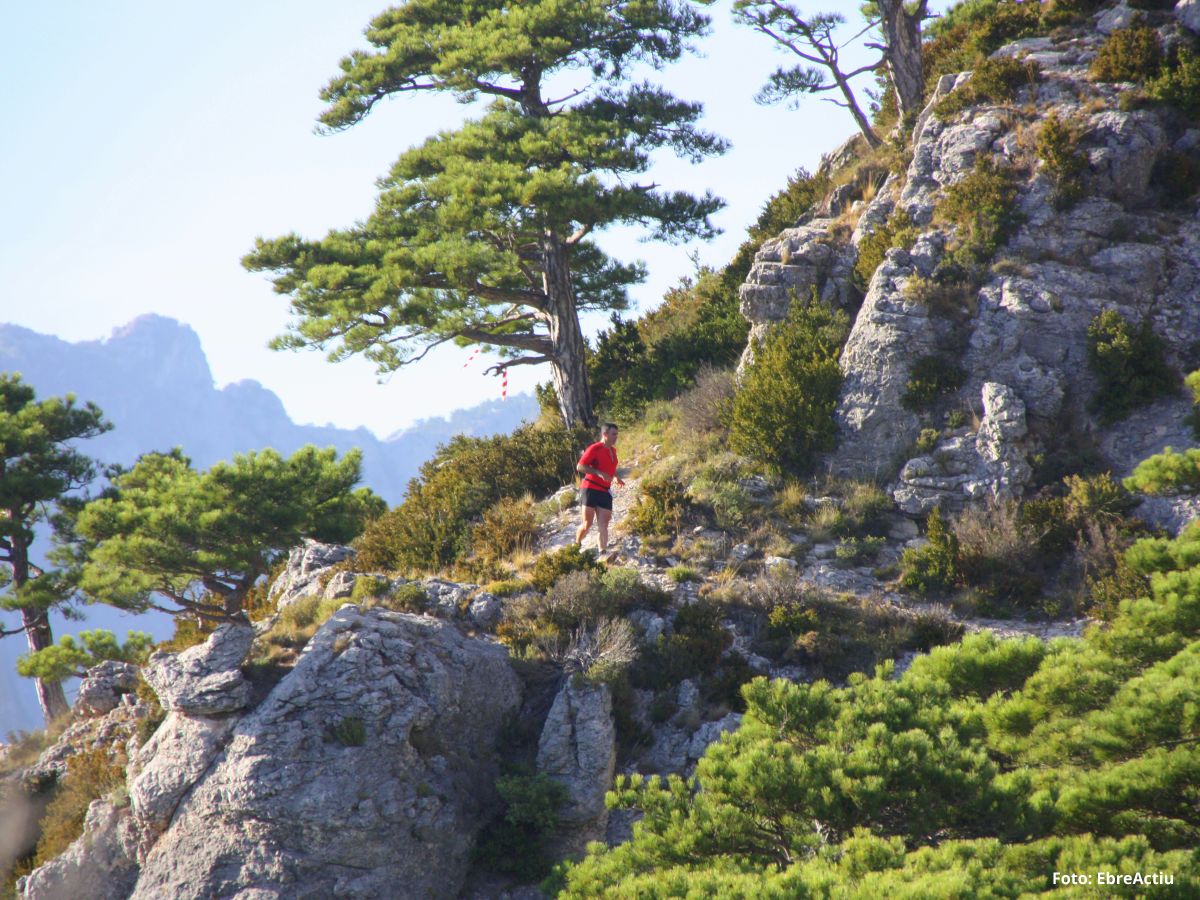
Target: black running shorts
[{"x": 593, "y": 497}]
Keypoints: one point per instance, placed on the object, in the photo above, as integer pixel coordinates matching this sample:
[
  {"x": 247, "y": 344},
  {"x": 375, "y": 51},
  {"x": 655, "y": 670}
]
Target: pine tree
[
  {"x": 483, "y": 235},
  {"x": 38, "y": 466}
]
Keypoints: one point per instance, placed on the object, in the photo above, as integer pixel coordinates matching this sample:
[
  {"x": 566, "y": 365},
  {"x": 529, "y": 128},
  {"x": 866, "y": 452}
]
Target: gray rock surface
[
  {"x": 301, "y": 576},
  {"x": 485, "y": 610},
  {"x": 578, "y": 749},
  {"x": 1119, "y": 16},
  {"x": 95, "y": 866},
  {"x": 101, "y": 691},
  {"x": 1188, "y": 14},
  {"x": 365, "y": 772},
  {"x": 991, "y": 464},
  {"x": 205, "y": 680}
]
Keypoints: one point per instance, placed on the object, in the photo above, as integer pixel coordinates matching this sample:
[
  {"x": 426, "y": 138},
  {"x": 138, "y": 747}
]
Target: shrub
[
  {"x": 508, "y": 587},
  {"x": 783, "y": 412},
  {"x": 1129, "y": 363},
  {"x": 1061, "y": 160},
  {"x": 659, "y": 508},
  {"x": 993, "y": 80},
  {"x": 549, "y": 567},
  {"x": 408, "y": 598},
  {"x": 1167, "y": 473},
  {"x": 928, "y": 440},
  {"x": 350, "y": 732},
  {"x": 432, "y": 528},
  {"x": 996, "y": 557},
  {"x": 680, "y": 574},
  {"x": 1177, "y": 176},
  {"x": 932, "y": 569},
  {"x": 516, "y": 842},
  {"x": 369, "y": 587},
  {"x": 1129, "y": 54},
  {"x": 732, "y": 507},
  {"x": 507, "y": 526},
  {"x": 693, "y": 648},
  {"x": 898, "y": 231},
  {"x": 91, "y": 774},
  {"x": 704, "y": 407},
  {"x": 1179, "y": 83},
  {"x": 982, "y": 205},
  {"x": 854, "y": 551},
  {"x": 932, "y": 377}
]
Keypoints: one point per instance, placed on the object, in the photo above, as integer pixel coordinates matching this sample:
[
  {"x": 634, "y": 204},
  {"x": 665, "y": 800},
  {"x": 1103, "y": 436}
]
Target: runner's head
[{"x": 609, "y": 434}]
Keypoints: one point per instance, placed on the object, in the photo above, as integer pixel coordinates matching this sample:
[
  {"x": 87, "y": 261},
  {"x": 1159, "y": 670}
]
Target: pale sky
[{"x": 148, "y": 143}]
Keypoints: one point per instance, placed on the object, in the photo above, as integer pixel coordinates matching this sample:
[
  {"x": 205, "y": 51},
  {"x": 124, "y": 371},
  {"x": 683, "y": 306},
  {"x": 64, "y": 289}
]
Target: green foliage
[
  {"x": 516, "y": 843},
  {"x": 432, "y": 528},
  {"x": 350, "y": 732},
  {"x": 659, "y": 509},
  {"x": 1062, "y": 161},
  {"x": 91, "y": 774},
  {"x": 661, "y": 354},
  {"x": 1167, "y": 473},
  {"x": 931, "y": 378},
  {"x": 927, "y": 440},
  {"x": 482, "y": 234},
  {"x": 1179, "y": 83},
  {"x": 681, "y": 574},
  {"x": 981, "y": 771},
  {"x": 898, "y": 231},
  {"x": 1130, "y": 364},
  {"x": 783, "y": 411},
  {"x": 507, "y": 526},
  {"x": 983, "y": 206},
  {"x": 993, "y": 80},
  {"x": 1177, "y": 177},
  {"x": 693, "y": 649},
  {"x": 185, "y": 534},
  {"x": 549, "y": 567},
  {"x": 932, "y": 569},
  {"x": 39, "y": 466},
  {"x": 68, "y": 659},
  {"x": 856, "y": 551},
  {"x": 1129, "y": 54}
]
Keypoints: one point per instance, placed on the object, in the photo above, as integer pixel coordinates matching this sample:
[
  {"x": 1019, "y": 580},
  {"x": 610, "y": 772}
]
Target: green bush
[
  {"x": 432, "y": 528},
  {"x": 693, "y": 649},
  {"x": 91, "y": 774},
  {"x": 1057, "y": 148},
  {"x": 507, "y": 526},
  {"x": 855, "y": 551},
  {"x": 1167, "y": 473},
  {"x": 983, "y": 207},
  {"x": 516, "y": 842},
  {"x": 1177, "y": 177},
  {"x": 932, "y": 378},
  {"x": 659, "y": 509},
  {"x": 549, "y": 567},
  {"x": 783, "y": 411},
  {"x": 1130, "y": 364},
  {"x": 898, "y": 231},
  {"x": 932, "y": 569},
  {"x": 993, "y": 80},
  {"x": 1129, "y": 54},
  {"x": 350, "y": 732},
  {"x": 927, "y": 440},
  {"x": 1179, "y": 83}
]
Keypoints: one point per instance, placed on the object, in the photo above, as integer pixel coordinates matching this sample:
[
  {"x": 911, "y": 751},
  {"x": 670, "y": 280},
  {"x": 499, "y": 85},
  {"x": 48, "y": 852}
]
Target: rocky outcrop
[
  {"x": 95, "y": 867},
  {"x": 205, "y": 680},
  {"x": 578, "y": 750},
  {"x": 104, "y": 686},
  {"x": 365, "y": 772},
  {"x": 990, "y": 463},
  {"x": 305, "y": 565},
  {"x": 797, "y": 263}
]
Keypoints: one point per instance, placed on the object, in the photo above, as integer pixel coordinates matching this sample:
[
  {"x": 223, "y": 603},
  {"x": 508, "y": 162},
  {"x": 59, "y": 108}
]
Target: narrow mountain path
[{"x": 559, "y": 530}]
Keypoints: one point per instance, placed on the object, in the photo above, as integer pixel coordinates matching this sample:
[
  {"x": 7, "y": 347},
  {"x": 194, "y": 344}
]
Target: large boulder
[
  {"x": 578, "y": 750},
  {"x": 95, "y": 867},
  {"x": 301, "y": 576},
  {"x": 204, "y": 680},
  {"x": 104, "y": 686},
  {"x": 365, "y": 772}
]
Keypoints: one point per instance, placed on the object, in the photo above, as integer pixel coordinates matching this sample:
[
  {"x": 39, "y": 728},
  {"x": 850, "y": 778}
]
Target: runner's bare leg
[
  {"x": 589, "y": 513},
  {"x": 602, "y": 518}
]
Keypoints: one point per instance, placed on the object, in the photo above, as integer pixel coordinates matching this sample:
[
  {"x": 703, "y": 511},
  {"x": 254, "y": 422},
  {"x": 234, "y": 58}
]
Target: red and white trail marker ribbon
[
  {"x": 504, "y": 384},
  {"x": 474, "y": 353}
]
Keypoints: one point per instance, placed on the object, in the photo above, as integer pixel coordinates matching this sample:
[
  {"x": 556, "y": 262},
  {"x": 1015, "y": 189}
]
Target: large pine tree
[
  {"x": 484, "y": 234},
  {"x": 38, "y": 466}
]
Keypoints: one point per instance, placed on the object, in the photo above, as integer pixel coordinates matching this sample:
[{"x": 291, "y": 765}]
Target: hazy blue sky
[{"x": 148, "y": 143}]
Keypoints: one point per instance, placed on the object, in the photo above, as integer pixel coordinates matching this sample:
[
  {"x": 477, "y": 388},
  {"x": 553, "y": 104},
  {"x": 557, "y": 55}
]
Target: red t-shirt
[{"x": 599, "y": 456}]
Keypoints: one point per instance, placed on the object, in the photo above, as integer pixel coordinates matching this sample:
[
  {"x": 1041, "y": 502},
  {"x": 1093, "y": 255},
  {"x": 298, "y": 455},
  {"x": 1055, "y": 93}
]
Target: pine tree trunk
[
  {"x": 902, "y": 35},
  {"x": 51, "y": 696},
  {"x": 567, "y": 353}
]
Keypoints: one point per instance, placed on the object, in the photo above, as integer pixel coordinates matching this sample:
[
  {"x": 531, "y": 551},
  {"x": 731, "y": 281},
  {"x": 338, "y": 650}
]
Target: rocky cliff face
[{"x": 1022, "y": 333}]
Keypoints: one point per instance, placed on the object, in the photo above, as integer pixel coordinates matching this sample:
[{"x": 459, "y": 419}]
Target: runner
[{"x": 598, "y": 465}]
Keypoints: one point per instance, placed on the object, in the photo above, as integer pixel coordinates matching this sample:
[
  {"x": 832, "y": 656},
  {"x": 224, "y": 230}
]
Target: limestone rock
[
  {"x": 446, "y": 597},
  {"x": 577, "y": 749},
  {"x": 1188, "y": 14},
  {"x": 305, "y": 564},
  {"x": 204, "y": 680},
  {"x": 366, "y": 771},
  {"x": 94, "y": 867},
  {"x": 1120, "y": 16},
  {"x": 101, "y": 690},
  {"x": 485, "y": 610},
  {"x": 989, "y": 464}
]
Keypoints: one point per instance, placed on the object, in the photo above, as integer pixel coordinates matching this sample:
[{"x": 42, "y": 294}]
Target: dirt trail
[{"x": 560, "y": 529}]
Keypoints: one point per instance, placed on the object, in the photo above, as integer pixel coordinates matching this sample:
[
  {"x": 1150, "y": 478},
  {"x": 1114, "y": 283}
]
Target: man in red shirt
[{"x": 598, "y": 465}]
